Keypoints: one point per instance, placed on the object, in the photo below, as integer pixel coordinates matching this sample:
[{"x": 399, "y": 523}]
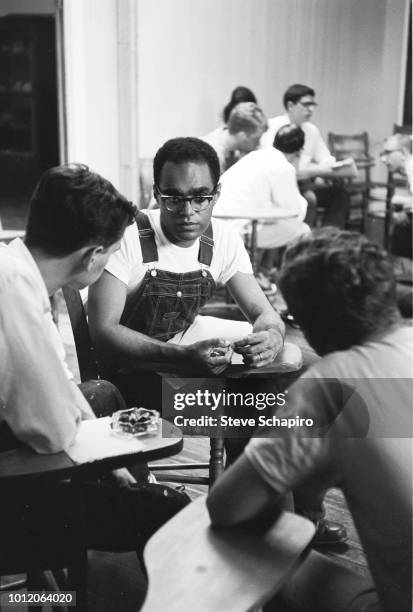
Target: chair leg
[{"x": 217, "y": 459}]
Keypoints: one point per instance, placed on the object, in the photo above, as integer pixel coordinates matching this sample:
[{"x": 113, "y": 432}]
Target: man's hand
[
  {"x": 215, "y": 354},
  {"x": 260, "y": 348}
]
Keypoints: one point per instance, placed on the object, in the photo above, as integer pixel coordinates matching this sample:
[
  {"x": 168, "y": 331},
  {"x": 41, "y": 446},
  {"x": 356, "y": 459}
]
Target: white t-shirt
[
  {"x": 264, "y": 179},
  {"x": 38, "y": 402},
  {"x": 363, "y": 395},
  {"x": 229, "y": 254},
  {"x": 315, "y": 150},
  {"x": 261, "y": 179}
]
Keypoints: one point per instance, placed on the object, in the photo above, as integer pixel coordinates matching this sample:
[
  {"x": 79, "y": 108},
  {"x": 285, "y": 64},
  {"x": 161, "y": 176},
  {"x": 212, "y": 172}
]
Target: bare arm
[
  {"x": 262, "y": 346},
  {"x": 121, "y": 346},
  {"x": 240, "y": 494}
]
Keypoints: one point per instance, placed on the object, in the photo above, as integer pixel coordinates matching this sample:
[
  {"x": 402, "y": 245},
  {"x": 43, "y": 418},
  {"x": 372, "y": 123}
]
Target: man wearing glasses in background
[
  {"x": 316, "y": 160},
  {"x": 145, "y": 307}
]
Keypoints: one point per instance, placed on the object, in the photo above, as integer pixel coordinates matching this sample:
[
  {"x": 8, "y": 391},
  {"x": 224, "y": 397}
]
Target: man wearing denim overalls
[{"x": 145, "y": 307}]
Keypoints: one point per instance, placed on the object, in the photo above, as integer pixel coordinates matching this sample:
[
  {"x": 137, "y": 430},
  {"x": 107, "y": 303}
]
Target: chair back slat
[{"x": 88, "y": 364}]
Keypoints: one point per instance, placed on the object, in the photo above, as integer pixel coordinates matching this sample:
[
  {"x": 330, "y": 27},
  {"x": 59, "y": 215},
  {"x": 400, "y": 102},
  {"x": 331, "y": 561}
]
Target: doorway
[{"x": 29, "y": 140}]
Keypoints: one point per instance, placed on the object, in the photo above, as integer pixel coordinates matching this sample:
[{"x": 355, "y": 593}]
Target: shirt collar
[{"x": 18, "y": 247}]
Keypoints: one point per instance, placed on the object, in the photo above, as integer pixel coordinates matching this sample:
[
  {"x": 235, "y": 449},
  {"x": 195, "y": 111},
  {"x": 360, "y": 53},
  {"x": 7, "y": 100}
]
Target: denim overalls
[{"x": 166, "y": 303}]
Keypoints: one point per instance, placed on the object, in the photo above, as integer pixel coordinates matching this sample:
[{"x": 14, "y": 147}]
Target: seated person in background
[
  {"x": 242, "y": 134},
  {"x": 397, "y": 155},
  {"x": 76, "y": 221},
  {"x": 266, "y": 180},
  {"x": 341, "y": 289},
  {"x": 239, "y": 94},
  {"x": 145, "y": 306},
  {"x": 316, "y": 160}
]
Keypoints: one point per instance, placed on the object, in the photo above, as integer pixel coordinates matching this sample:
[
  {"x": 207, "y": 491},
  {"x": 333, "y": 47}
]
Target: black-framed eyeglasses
[{"x": 198, "y": 202}]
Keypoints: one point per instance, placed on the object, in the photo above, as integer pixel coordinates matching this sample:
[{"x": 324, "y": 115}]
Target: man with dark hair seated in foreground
[
  {"x": 341, "y": 290},
  {"x": 76, "y": 221}
]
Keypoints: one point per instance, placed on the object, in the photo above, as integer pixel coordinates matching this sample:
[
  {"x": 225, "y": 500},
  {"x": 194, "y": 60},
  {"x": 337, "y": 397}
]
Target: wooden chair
[
  {"x": 356, "y": 146},
  {"x": 89, "y": 369},
  {"x": 192, "y": 566}
]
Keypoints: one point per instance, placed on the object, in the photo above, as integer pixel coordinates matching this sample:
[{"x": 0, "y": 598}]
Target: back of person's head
[
  {"x": 72, "y": 207},
  {"x": 295, "y": 92},
  {"x": 289, "y": 139},
  {"x": 340, "y": 288},
  {"x": 239, "y": 94},
  {"x": 183, "y": 150},
  {"x": 246, "y": 117}
]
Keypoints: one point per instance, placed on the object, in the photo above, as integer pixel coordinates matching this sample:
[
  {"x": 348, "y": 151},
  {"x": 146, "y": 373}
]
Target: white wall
[
  {"x": 26, "y": 6},
  {"x": 192, "y": 53},
  {"x": 90, "y": 32}
]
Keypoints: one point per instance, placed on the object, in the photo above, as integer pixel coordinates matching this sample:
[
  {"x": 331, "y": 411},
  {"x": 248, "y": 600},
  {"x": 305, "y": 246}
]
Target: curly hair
[
  {"x": 340, "y": 288},
  {"x": 189, "y": 149},
  {"x": 72, "y": 207}
]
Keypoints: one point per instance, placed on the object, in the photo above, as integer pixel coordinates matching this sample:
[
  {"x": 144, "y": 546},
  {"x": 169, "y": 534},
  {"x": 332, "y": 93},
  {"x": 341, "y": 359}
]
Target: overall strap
[
  {"x": 206, "y": 246},
  {"x": 146, "y": 238}
]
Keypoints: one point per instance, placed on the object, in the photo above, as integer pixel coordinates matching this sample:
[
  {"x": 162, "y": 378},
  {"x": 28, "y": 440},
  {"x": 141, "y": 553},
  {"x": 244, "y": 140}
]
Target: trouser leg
[
  {"x": 311, "y": 214},
  {"x": 401, "y": 239},
  {"x": 336, "y": 203},
  {"x": 37, "y": 522}
]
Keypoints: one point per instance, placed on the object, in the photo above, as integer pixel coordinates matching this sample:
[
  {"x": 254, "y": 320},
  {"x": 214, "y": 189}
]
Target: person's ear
[
  {"x": 90, "y": 255},
  {"x": 217, "y": 194}
]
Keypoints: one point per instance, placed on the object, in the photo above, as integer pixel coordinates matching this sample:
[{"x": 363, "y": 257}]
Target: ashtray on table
[{"x": 135, "y": 422}]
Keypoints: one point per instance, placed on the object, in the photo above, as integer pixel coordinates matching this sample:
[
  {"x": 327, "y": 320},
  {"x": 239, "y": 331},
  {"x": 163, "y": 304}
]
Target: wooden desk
[
  {"x": 23, "y": 464},
  {"x": 192, "y": 566},
  {"x": 8, "y": 235},
  {"x": 255, "y": 216}
]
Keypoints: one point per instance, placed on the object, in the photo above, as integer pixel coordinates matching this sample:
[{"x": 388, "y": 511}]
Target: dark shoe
[{"x": 328, "y": 534}]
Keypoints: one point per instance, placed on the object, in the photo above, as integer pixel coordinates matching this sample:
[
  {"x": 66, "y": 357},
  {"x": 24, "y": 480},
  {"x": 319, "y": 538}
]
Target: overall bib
[{"x": 167, "y": 303}]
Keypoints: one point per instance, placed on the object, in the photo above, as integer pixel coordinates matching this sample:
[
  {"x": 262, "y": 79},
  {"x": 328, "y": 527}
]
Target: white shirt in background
[
  {"x": 315, "y": 150},
  {"x": 264, "y": 179}
]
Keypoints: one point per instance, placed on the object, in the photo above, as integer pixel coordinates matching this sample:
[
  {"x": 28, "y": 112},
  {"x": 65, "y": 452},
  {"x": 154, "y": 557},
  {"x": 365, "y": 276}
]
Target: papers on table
[{"x": 95, "y": 440}]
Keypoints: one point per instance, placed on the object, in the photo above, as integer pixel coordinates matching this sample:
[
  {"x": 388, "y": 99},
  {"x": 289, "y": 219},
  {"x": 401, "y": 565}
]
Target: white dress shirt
[
  {"x": 38, "y": 399},
  {"x": 315, "y": 150},
  {"x": 264, "y": 179}
]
